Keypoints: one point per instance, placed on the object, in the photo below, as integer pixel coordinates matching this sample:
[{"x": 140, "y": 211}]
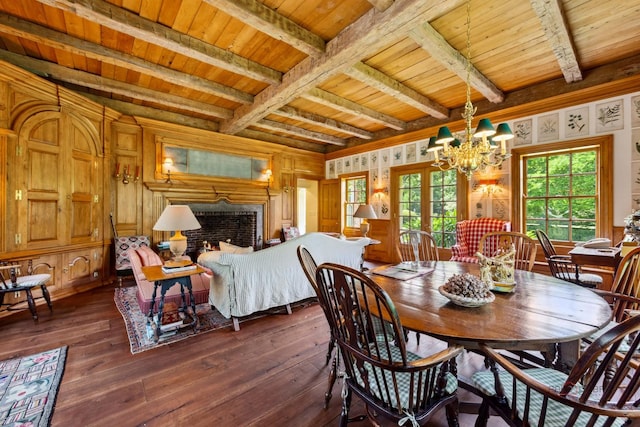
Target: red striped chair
[{"x": 468, "y": 235}]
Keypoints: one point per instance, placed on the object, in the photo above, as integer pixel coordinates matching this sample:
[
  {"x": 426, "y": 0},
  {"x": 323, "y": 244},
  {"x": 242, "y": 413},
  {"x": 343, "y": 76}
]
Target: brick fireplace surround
[{"x": 220, "y": 221}]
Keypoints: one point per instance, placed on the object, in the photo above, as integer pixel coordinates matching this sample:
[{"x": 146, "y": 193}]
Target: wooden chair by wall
[
  {"x": 563, "y": 268},
  {"x": 544, "y": 396},
  {"x": 418, "y": 242},
  {"x": 524, "y": 245},
  {"x": 394, "y": 383}
]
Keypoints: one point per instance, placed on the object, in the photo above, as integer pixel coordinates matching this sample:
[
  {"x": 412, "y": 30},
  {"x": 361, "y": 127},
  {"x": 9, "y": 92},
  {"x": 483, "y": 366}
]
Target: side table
[{"x": 165, "y": 281}]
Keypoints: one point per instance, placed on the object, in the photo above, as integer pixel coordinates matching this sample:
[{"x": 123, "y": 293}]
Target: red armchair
[{"x": 468, "y": 234}]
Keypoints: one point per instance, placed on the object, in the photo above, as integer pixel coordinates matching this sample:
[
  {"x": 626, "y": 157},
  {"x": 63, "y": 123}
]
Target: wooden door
[{"x": 330, "y": 206}]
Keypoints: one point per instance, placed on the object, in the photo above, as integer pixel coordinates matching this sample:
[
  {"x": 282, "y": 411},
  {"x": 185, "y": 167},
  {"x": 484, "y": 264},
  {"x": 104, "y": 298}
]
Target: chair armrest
[{"x": 437, "y": 358}]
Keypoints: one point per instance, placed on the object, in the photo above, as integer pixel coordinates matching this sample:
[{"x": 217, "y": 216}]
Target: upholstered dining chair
[
  {"x": 524, "y": 245},
  {"x": 468, "y": 234},
  {"x": 393, "y": 382},
  {"x": 563, "y": 268},
  {"x": 417, "y": 245},
  {"x": 550, "y": 398},
  {"x": 624, "y": 295}
]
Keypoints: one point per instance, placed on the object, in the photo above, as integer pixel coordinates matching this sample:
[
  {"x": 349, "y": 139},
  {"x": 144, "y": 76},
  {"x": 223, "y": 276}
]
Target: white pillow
[
  {"x": 228, "y": 247},
  {"x": 209, "y": 256}
]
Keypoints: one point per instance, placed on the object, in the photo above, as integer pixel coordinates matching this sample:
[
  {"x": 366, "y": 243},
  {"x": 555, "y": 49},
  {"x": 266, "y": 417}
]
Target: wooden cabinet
[
  {"x": 55, "y": 196},
  {"x": 55, "y": 184}
]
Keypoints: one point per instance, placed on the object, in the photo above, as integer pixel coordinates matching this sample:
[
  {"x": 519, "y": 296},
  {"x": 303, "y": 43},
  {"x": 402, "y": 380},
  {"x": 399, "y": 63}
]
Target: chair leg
[
  {"x": 32, "y": 304},
  {"x": 332, "y": 344},
  {"x": 483, "y": 414},
  {"x": 333, "y": 373},
  {"x": 47, "y": 297},
  {"x": 452, "y": 414}
]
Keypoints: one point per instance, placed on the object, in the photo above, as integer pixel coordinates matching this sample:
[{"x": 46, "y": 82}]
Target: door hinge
[
  {"x": 96, "y": 198},
  {"x": 18, "y": 238},
  {"x": 18, "y": 150},
  {"x": 18, "y": 194}
]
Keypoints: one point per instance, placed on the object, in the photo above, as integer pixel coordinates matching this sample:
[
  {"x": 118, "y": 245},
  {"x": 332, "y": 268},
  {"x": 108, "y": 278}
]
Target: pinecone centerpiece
[{"x": 467, "y": 290}]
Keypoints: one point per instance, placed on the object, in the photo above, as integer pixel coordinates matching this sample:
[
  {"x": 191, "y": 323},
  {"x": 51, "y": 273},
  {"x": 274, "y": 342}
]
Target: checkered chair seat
[
  {"x": 601, "y": 389},
  {"x": 404, "y": 380},
  {"x": 557, "y": 413},
  {"x": 468, "y": 235}
]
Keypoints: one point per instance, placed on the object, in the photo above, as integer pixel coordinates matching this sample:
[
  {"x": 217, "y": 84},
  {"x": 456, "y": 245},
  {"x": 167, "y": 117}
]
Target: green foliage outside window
[
  {"x": 444, "y": 207},
  {"x": 356, "y": 194},
  {"x": 442, "y": 204},
  {"x": 560, "y": 194}
]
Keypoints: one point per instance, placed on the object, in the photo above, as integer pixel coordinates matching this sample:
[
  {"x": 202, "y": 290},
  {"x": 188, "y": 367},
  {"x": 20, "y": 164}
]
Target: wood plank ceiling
[{"x": 320, "y": 75}]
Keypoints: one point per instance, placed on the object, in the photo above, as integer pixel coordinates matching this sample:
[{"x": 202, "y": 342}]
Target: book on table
[{"x": 169, "y": 269}]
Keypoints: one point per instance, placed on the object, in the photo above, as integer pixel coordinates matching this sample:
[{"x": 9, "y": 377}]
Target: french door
[{"x": 428, "y": 199}]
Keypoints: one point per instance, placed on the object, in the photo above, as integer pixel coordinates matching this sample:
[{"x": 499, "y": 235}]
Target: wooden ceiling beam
[
  {"x": 554, "y": 24},
  {"x": 57, "y": 40},
  {"x": 118, "y": 19},
  {"x": 266, "y": 20},
  {"x": 321, "y": 121},
  {"x": 432, "y": 41},
  {"x": 277, "y": 139},
  {"x": 130, "y": 109},
  {"x": 346, "y": 106},
  {"x": 82, "y": 78},
  {"x": 381, "y": 5},
  {"x": 298, "y": 131},
  {"x": 382, "y": 82},
  {"x": 370, "y": 33}
]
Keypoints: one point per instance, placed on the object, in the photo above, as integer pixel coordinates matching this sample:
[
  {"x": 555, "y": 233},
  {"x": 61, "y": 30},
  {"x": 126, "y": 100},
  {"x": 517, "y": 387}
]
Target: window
[
  {"x": 563, "y": 189},
  {"x": 444, "y": 206},
  {"x": 430, "y": 199},
  {"x": 355, "y": 195}
]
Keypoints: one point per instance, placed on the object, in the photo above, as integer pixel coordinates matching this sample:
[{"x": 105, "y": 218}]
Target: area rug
[
  {"x": 29, "y": 386},
  {"x": 136, "y": 322}
]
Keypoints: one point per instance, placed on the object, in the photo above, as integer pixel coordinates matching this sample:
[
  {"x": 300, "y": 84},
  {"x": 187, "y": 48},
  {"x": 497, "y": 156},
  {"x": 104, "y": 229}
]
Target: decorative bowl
[{"x": 466, "y": 301}]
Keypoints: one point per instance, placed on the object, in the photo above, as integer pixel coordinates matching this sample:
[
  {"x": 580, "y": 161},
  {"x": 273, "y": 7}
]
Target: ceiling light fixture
[{"x": 479, "y": 149}]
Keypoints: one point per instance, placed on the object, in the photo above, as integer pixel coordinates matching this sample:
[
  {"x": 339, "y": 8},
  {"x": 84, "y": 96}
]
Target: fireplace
[{"x": 240, "y": 224}]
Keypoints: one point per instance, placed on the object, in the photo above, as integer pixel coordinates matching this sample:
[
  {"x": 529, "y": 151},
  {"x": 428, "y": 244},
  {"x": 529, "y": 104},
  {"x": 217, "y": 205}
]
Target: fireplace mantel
[{"x": 229, "y": 192}]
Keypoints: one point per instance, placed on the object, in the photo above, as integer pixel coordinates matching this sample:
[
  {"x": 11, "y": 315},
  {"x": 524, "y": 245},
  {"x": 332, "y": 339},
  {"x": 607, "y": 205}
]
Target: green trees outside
[{"x": 561, "y": 195}]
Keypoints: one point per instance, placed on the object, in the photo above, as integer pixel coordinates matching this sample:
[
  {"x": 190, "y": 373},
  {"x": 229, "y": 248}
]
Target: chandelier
[{"x": 478, "y": 149}]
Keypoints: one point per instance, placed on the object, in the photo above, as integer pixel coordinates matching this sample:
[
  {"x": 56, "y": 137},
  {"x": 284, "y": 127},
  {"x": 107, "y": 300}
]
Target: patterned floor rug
[
  {"x": 28, "y": 388},
  {"x": 136, "y": 322}
]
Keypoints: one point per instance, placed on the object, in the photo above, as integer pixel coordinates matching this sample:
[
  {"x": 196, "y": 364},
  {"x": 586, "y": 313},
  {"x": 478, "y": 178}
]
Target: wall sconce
[
  {"x": 380, "y": 191},
  {"x": 488, "y": 186},
  {"x": 268, "y": 174},
  {"x": 126, "y": 174},
  {"x": 167, "y": 163}
]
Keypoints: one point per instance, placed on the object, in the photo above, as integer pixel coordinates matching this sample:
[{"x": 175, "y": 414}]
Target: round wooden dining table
[{"x": 540, "y": 312}]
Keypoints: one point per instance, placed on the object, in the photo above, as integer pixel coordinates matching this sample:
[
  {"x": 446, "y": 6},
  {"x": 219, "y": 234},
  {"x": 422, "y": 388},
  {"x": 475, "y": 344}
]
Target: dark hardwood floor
[{"x": 270, "y": 373}]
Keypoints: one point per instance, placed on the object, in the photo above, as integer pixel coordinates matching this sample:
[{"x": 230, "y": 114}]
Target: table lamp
[
  {"x": 365, "y": 212},
  {"x": 177, "y": 218}
]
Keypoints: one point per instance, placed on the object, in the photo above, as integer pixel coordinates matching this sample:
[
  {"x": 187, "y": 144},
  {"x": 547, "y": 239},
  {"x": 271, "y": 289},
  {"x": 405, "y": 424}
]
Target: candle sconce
[{"x": 126, "y": 175}]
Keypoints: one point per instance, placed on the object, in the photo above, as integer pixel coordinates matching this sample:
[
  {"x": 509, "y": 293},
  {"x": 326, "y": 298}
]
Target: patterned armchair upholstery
[
  {"x": 468, "y": 234},
  {"x": 122, "y": 246}
]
